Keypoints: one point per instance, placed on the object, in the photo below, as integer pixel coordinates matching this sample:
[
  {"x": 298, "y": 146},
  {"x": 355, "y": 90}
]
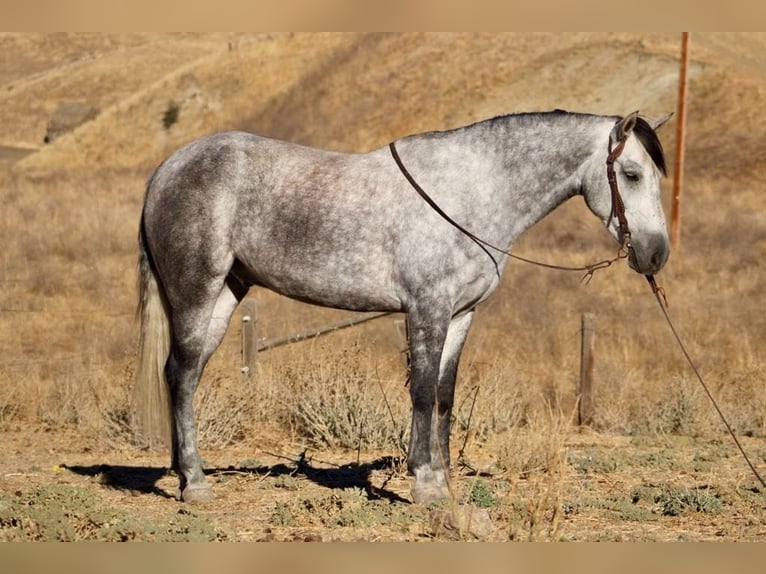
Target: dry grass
[
  {"x": 342, "y": 399},
  {"x": 67, "y": 334}
]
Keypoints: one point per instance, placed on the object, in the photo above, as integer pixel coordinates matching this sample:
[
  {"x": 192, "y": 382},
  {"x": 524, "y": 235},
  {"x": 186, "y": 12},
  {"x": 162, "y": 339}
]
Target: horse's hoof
[
  {"x": 463, "y": 522},
  {"x": 430, "y": 486},
  {"x": 429, "y": 494},
  {"x": 197, "y": 494}
]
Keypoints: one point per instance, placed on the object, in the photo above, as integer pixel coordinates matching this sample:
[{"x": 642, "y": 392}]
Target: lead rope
[{"x": 659, "y": 294}]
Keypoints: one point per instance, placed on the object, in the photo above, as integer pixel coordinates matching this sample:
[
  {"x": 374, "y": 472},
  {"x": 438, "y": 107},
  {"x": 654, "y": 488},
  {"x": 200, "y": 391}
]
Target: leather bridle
[{"x": 618, "y": 205}]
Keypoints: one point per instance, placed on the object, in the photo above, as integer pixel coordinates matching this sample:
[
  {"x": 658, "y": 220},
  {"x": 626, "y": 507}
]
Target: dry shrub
[
  {"x": 341, "y": 399},
  {"x": 653, "y": 402},
  {"x": 11, "y": 400},
  {"x": 224, "y": 411},
  {"x": 534, "y": 447},
  {"x": 490, "y": 400},
  {"x": 70, "y": 395},
  {"x": 534, "y": 459},
  {"x": 643, "y": 405},
  {"x": 743, "y": 391}
]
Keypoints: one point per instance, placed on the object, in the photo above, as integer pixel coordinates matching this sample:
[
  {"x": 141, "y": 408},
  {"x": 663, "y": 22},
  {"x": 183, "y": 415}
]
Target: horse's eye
[{"x": 631, "y": 176}]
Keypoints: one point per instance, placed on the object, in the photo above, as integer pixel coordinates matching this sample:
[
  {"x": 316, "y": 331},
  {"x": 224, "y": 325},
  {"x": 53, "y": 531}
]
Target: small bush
[
  {"x": 673, "y": 501},
  {"x": 482, "y": 495},
  {"x": 338, "y": 402},
  {"x": 170, "y": 116},
  {"x": 224, "y": 413}
]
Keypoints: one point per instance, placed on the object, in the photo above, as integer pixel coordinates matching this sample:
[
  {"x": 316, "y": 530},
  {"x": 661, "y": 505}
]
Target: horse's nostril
[{"x": 658, "y": 258}]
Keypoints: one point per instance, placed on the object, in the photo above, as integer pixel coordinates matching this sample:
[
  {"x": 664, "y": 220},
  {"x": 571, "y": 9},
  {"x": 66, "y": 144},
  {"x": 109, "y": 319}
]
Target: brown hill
[{"x": 358, "y": 91}]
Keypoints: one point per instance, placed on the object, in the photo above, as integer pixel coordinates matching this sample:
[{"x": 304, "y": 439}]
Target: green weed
[
  {"x": 62, "y": 513},
  {"x": 482, "y": 495}
]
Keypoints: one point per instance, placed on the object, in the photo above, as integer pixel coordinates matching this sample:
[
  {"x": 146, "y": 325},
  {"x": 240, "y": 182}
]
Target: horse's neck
[{"x": 542, "y": 166}]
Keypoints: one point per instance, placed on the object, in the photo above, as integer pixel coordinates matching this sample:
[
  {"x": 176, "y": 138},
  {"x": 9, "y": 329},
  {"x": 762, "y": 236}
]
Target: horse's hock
[{"x": 66, "y": 117}]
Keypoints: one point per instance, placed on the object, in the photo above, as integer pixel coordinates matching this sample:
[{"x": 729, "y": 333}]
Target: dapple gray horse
[{"x": 233, "y": 210}]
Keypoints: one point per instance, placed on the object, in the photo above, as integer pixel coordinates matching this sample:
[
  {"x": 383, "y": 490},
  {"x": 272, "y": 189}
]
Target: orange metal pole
[{"x": 675, "y": 218}]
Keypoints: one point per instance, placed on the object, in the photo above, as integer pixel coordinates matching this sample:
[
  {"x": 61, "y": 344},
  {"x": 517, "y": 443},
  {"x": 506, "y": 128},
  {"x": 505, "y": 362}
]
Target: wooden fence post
[
  {"x": 249, "y": 346},
  {"x": 585, "y": 407}
]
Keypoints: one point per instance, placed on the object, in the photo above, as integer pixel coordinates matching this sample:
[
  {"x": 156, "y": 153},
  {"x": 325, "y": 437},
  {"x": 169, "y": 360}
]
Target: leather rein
[{"x": 618, "y": 211}]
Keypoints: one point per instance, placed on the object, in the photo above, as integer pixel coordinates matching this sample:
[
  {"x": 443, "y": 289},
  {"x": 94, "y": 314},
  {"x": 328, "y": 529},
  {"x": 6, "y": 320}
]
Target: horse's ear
[
  {"x": 657, "y": 123},
  {"x": 623, "y": 127}
]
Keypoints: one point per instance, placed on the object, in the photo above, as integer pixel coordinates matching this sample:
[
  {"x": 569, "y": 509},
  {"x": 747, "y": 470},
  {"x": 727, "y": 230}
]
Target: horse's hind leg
[{"x": 197, "y": 332}]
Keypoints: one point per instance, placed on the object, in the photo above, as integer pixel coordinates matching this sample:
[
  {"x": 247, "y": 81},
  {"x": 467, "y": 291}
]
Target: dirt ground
[{"x": 57, "y": 487}]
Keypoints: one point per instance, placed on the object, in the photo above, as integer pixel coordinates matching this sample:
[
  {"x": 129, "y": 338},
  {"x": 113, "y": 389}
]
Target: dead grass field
[{"x": 311, "y": 447}]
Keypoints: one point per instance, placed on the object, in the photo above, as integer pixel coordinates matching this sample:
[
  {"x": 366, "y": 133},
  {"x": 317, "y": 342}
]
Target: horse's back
[
  {"x": 295, "y": 218},
  {"x": 233, "y": 158}
]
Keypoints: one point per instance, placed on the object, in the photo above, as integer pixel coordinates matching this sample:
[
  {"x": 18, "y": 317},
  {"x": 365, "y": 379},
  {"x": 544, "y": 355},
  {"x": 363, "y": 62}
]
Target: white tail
[{"x": 151, "y": 396}]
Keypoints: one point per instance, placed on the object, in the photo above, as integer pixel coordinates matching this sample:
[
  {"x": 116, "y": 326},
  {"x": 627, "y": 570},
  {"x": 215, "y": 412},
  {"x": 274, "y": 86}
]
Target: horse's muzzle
[{"x": 650, "y": 255}]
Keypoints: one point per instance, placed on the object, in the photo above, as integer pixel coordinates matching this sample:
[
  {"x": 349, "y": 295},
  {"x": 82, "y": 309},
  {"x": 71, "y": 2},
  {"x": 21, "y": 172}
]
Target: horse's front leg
[
  {"x": 427, "y": 334},
  {"x": 445, "y": 393}
]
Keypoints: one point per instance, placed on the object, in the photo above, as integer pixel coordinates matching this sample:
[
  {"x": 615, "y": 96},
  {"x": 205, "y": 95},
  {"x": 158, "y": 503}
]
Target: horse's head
[{"x": 638, "y": 169}]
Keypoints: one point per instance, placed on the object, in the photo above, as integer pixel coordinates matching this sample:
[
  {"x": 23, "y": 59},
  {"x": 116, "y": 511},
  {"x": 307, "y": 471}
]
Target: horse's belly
[{"x": 329, "y": 282}]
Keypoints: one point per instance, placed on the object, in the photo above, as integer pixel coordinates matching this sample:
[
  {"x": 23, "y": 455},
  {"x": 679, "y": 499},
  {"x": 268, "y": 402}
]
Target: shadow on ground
[{"x": 143, "y": 479}]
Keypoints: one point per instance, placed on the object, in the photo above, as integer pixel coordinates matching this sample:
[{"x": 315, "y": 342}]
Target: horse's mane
[
  {"x": 648, "y": 138},
  {"x": 643, "y": 131}
]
